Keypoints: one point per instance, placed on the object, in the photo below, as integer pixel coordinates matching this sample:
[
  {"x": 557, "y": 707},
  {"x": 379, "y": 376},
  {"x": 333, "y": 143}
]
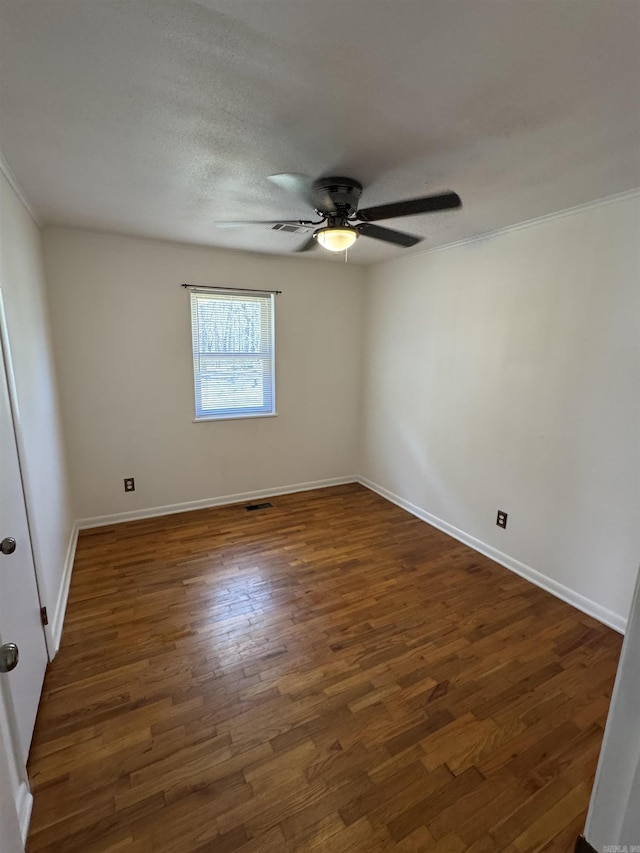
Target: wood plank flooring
[{"x": 330, "y": 674}]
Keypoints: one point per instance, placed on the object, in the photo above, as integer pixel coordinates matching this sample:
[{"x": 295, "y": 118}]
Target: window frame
[{"x": 267, "y": 323}]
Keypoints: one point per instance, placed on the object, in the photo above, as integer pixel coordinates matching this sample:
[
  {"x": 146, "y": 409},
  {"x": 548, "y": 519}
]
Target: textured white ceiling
[{"x": 159, "y": 118}]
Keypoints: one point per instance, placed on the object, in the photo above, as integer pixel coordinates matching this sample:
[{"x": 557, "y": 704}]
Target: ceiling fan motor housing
[{"x": 344, "y": 192}]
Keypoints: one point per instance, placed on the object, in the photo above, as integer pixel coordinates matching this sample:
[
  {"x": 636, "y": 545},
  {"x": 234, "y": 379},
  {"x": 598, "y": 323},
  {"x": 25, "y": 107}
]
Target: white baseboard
[
  {"x": 187, "y": 506},
  {"x": 61, "y": 604},
  {"x": 586, "y": 605},
  {"x": 24, "y": 805}
]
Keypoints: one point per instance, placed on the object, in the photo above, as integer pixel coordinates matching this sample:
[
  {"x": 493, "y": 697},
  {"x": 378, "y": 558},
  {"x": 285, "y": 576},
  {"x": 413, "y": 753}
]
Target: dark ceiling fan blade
[
  {"x": 240, "y": 223},
  {"x": 387, "y": 234},
  {"x": 426, "y": 204},
  {"x": 304, "y": 187},
  {"x": 311, "y": 243}
]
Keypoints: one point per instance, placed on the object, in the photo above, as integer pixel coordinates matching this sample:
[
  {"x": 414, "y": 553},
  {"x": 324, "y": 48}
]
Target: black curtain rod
[{"x": 228, "y": 289}]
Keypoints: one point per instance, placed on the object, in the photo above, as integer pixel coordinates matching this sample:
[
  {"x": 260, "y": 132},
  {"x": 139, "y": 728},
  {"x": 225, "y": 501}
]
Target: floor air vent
[{"x": 252, "y": 507}]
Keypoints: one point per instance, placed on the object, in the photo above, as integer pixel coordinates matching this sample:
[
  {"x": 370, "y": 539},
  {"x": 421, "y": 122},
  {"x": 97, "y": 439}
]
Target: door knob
[
  {"x": 8, "y": 657},
  {"x": 8, "y": 545}
]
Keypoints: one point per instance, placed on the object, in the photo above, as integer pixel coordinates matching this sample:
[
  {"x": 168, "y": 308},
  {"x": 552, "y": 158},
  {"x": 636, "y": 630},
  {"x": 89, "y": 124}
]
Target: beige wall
[
  {"x": 39, "y": 430},
  {"x": 505, "y": 374},
  {"x": 122, "y": 339}
]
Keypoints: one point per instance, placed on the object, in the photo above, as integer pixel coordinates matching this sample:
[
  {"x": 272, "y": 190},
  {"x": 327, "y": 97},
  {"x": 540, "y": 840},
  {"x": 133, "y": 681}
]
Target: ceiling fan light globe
[{"x": 336, "y": 239}]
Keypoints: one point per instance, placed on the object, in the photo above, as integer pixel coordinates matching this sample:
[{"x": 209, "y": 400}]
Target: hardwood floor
[{"x": 330, "y": 674}]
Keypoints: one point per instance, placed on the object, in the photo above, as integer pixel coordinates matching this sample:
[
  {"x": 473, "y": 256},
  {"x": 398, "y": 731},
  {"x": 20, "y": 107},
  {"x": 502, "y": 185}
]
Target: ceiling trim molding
[
  {"x": 518, "y": 226},
  {"x": 15, "y": 185}
]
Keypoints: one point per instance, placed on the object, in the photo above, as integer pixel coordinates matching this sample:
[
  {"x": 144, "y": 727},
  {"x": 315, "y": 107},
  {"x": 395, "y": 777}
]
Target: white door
[{"x": 20, "y": 621}]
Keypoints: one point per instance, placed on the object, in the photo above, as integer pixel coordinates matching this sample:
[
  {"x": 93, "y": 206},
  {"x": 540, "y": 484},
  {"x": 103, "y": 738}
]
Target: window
[{"x": 233, "y": 357}]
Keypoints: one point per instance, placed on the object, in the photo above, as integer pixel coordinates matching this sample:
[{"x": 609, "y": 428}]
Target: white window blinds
[{"x": 233, "y": 354}]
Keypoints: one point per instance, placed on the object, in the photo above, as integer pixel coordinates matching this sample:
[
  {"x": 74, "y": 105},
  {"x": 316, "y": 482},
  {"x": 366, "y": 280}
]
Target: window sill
[{"x": 234, "y": 417}]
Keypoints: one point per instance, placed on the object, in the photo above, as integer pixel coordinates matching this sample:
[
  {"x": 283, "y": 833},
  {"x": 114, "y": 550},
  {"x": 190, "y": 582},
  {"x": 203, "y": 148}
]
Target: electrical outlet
[
  {"x": 129, "y": 484},
  {"x": 501, "y": 520}
]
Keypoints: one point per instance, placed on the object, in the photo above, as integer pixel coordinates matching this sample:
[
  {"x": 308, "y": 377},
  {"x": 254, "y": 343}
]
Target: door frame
[
  {"x": 613, "y": 802},
  {"x": 17, "y": 772}
]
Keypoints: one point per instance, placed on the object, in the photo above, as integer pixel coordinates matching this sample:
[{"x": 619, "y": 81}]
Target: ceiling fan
[{"x": 335, "y": 201}]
